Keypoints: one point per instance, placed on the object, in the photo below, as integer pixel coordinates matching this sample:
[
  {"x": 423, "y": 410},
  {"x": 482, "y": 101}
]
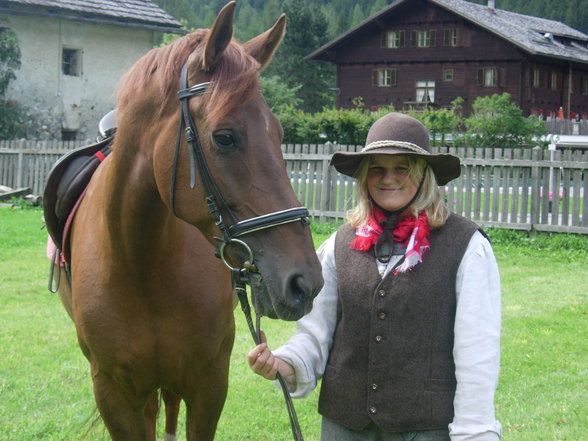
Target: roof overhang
[
  {"x": 325, "y": 52},
  {"x": 6, "y": 8}
]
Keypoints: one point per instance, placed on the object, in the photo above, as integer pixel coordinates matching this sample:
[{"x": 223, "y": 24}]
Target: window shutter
[
  {"x": 375, "y": 77},
  {"x": 433, "y": 38},
  {"x": 413, "y": 38},
  {"x": 480, "y": 77},
  {"x": 401, "y": 38},
  {"x": 447, "y": 37},
  {"x": 393, "y": 77}
]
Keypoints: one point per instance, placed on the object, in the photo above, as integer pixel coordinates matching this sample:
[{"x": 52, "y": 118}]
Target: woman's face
[{"x": 388, "y": 181}]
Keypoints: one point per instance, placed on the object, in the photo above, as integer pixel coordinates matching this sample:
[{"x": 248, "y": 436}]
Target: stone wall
[{"x": 55, "y": 102}]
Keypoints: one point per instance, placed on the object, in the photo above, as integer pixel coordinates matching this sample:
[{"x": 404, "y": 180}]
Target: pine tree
[
  {"x": 11, "y": 115},
  {"x": 306, "y": 32}
]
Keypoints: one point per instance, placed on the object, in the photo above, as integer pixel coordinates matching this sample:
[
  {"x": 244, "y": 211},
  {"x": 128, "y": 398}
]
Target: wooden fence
[
  {"x": 525, "y": 189},
  {"x": 567, "y": 126}
]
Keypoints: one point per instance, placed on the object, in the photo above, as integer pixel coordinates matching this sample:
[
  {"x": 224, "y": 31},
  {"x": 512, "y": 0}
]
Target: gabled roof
[
  {"x": 131, "y": 13},
  {"x": 532, "y": 34}
]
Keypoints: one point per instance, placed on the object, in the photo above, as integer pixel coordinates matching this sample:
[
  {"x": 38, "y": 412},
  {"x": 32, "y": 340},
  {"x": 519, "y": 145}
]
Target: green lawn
[{"x": 46, "y": 393}]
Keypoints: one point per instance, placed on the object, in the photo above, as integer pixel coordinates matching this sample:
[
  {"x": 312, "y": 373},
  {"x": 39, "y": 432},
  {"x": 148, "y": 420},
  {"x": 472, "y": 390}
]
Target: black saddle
[{"x": 70, "y": 176}]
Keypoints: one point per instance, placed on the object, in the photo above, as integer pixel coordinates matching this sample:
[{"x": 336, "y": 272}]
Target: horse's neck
[{"x": 135, "y": 213}]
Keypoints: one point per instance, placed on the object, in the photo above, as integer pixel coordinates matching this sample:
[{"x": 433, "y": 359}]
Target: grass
[{"x": 46, "y": 392}]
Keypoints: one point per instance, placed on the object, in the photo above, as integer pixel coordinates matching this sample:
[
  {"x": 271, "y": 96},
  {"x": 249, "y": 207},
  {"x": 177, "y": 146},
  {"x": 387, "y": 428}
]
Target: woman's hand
[{"x": 263, "y": 362}]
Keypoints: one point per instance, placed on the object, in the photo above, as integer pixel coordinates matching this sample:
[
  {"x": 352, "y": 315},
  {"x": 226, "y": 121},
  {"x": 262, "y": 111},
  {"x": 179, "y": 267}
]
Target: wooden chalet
[{"x": 417, "y": 53}]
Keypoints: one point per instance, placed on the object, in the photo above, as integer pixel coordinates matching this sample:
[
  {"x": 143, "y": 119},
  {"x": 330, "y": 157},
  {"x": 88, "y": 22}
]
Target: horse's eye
[{"x": 224, "y": 140}]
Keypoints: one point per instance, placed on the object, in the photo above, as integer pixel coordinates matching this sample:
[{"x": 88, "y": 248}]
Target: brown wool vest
[{"x": 391, "y": 361}]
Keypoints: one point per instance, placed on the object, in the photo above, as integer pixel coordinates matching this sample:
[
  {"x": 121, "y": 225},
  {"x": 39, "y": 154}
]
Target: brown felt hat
[{"x": 399, "y": 134}]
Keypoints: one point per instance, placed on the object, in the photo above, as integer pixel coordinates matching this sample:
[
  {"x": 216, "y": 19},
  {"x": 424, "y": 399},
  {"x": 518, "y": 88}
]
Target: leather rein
[{"x": 229, "y": 233}]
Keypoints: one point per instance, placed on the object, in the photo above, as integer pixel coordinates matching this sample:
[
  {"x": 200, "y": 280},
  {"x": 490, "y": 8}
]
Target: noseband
[{"x": 214, "y": 198}]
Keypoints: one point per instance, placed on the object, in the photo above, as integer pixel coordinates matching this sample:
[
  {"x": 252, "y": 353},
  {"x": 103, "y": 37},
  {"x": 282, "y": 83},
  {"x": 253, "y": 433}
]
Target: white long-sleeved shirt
[{"x": 476, "y": 348}]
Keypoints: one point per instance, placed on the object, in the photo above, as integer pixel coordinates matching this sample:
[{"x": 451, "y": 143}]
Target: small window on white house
[
  {"x": 68, "y": 135},
  {"x": 71, "y": 62},
  {"x": 425, "y": 91},
  {"x": 488, "y": 77},
  {"x": 384, "y": 77}
]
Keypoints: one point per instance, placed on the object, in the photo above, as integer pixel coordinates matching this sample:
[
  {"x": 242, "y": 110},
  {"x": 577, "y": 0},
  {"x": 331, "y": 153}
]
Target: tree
[
  {"x": 306, "y": 32},
  {"x": 278, "y": 95},
  {"x": 11, "y": 115},
  {"x": 497, "y": 122}
]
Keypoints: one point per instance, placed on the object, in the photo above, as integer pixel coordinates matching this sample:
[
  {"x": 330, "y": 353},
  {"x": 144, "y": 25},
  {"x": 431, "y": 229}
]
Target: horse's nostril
[{"x": 297, "y": 289}]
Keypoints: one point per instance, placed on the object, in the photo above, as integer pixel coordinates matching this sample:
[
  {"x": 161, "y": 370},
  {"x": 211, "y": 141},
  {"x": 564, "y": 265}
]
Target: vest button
[
  {"x": 378, "y": 338},
  {"x": 381, "y": 315},
  {"x": 382, "y": 293},
  {"x": 373, "y": 410},
  {"x": 374, "y": 386}
]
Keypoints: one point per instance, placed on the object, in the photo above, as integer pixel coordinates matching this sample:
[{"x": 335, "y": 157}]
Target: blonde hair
[{"x": 430, "y": 198}]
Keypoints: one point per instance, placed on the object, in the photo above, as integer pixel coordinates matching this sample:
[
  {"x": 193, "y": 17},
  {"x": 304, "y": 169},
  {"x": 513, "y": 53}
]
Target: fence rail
[{"x": 524, "y": 189}]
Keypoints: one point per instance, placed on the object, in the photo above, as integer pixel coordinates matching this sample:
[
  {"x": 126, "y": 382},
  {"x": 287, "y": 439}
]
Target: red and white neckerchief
[{"x": 413, "y": 232}]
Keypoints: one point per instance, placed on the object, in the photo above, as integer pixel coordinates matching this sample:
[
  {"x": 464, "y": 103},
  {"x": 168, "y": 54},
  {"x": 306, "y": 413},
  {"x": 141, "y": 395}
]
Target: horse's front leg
[
  {"x": 127, "y": 414},
  {"x": 207, "y": 395},
  {"x": 172, "y": 410}
]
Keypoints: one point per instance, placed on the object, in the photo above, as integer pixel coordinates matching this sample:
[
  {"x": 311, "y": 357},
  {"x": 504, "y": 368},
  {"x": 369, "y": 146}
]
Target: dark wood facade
[{"x": 420, "y": 53}]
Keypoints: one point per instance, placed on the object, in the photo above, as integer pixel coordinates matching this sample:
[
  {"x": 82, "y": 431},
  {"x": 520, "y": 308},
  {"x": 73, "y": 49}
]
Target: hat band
[{"x": 401, "y": 144}]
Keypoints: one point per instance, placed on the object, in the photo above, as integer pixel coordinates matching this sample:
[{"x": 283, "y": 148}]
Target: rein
[{"x": 241, "y": 275}]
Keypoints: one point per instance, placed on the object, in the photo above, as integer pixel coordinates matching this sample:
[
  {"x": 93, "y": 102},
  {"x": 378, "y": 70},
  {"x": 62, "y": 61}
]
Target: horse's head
[{"x": 239, "y": 140}]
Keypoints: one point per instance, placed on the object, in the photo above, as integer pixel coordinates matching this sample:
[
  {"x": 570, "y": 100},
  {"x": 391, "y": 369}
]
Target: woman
[{"x": 406, "y": 331}]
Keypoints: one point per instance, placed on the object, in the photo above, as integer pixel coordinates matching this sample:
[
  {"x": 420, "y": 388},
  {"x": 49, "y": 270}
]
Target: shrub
[{"x": 497, "y": 122}]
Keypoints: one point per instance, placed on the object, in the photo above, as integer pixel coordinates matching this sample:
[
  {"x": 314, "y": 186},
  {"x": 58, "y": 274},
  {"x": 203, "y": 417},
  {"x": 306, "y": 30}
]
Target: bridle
[
  {"x": 198, "y": 165},
  {"x": 235, "y": 229}
]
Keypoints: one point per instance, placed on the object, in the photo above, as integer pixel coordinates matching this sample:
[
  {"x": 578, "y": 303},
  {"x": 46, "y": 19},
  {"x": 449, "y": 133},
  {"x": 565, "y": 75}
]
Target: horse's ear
[
  {"x": 263, "y": 46},
  {"x": 219, "y": 36}
]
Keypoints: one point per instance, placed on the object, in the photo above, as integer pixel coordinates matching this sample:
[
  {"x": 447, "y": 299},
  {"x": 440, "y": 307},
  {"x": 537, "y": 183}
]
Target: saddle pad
[{"x": 67, "y": 180}]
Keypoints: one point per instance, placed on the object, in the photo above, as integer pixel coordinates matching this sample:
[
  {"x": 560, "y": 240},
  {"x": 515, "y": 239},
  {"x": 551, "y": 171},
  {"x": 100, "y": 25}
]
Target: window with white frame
[
  {"x": 423, "y": 38},
  {"x": 536, "y": 78},
  {"x": 448, "y": 74},
  {"x": 384, "y": 77},
  {"x": 585, "y": 86},
  {"x": 488, "y": 77},
  {"x": 554, "y": 81},
  {"x": 393, "y": 39},
  {"x": 452, "y": 37},
  {"x": 425, "y": 91}
]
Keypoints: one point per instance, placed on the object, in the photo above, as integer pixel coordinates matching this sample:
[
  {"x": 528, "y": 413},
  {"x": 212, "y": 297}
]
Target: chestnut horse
[{"x": 152, "y": 305}]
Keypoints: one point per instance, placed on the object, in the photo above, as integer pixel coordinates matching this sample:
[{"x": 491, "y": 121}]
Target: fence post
[
  {"x": 20, "y": 164},
  {"x": 325, "y": 202},
  {"x": 535, "y": 189}
]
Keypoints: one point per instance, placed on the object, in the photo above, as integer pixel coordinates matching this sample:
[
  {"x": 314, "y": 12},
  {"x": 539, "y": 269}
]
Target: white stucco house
[{"x": 73, "y": 54}]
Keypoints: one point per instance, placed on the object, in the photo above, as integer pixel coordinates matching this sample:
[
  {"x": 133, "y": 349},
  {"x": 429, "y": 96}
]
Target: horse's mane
[{"x": 233, "y": 79}]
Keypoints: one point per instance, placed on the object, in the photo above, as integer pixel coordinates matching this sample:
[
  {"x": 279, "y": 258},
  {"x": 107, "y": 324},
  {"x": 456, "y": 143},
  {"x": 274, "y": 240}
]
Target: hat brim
[{"x": 446, "y": 167}]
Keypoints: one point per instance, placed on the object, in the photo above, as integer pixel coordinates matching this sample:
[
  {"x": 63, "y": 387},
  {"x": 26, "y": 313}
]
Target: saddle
[{"x": 69, "y": 178}]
